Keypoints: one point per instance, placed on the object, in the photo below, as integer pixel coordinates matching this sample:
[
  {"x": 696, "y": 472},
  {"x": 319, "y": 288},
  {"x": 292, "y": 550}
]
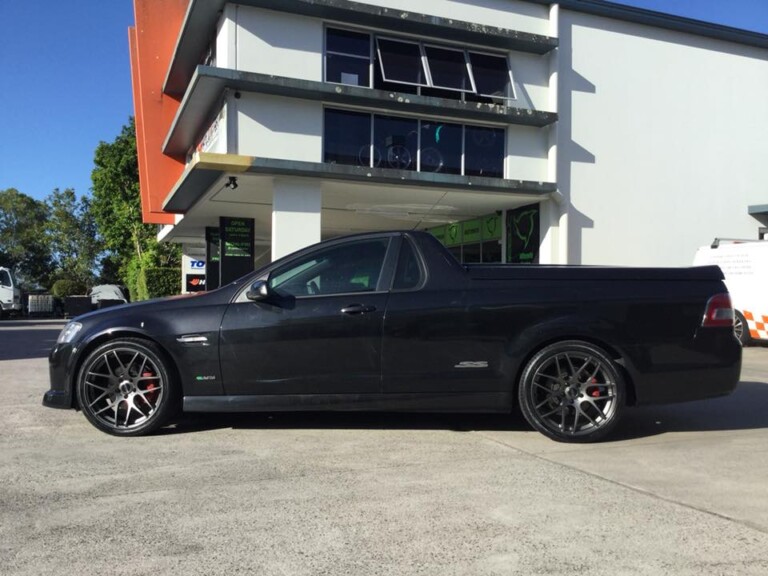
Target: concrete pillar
[{"x": 296, "y": 206}]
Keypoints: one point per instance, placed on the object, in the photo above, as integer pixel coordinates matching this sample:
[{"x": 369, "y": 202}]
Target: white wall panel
[
  {"x": 279, "y": 43},
  {"x": 521, "y": 16},
  {"x": 661, "y": 140},
  {"x": 275, "y": 127}
]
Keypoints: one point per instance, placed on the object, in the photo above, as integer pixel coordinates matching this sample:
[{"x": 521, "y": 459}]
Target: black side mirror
[{"x": 259, "y": 291}]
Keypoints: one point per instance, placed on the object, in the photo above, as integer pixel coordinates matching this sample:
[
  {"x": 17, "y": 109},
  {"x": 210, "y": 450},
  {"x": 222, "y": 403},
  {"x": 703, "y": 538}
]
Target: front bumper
[{"x": 61, "y": 365}]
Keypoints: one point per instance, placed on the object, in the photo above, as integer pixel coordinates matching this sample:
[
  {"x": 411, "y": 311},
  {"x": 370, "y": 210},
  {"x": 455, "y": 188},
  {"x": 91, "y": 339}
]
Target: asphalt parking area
[{"x": 679, "y": 490}]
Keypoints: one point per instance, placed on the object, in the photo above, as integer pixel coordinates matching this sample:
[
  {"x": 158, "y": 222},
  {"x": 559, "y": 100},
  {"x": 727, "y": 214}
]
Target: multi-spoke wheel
[
  {"x": 572, "y": 392},
  {"x": 741, "y": 329},
  {"x": 125, "y": 388}
]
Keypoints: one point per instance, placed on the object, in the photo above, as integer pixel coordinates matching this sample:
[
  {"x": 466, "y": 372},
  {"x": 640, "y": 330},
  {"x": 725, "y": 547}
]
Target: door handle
[{"x": 357, "y": 309}]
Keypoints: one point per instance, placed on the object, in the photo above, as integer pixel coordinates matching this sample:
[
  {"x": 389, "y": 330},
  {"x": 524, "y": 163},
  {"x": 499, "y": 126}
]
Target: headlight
[{"x": 69, "y": 332}]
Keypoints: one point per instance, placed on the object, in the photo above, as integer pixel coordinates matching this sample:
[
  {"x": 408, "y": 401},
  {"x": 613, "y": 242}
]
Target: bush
[
  {"x": 63, "y": 288},
  {"x": 159, "y": 282}
]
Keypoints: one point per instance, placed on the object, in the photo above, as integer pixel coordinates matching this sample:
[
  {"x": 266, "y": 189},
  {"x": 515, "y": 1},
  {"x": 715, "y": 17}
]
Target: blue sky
[{"x": 65, "y": 81}]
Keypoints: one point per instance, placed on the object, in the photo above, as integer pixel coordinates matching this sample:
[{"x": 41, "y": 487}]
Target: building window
[
  {"x": 416, "y": 67},
  {"x": 347, "y": 57},
  {"x": 400, "y": 143},
  {"x": 484, "y": 152},
  {"x": 347, "y": 137},
  {"x": 492, "y": 76},
  {"x": 401, "y": 62},
  {"x": 395, "y": 142},
  {"x": 448, "y": 69}
]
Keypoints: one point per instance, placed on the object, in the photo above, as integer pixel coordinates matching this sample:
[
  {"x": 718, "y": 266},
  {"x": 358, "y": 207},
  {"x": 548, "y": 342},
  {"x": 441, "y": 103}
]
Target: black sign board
[
  {"x": 212, "y": 256},
  {"x": 523, "y": 235},
  {"x": 195, "y": 282},
  {"x": 236, "y": 245}
]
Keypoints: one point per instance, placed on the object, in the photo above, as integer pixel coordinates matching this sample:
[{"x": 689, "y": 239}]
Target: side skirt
[{"x": 477, "y": 403}]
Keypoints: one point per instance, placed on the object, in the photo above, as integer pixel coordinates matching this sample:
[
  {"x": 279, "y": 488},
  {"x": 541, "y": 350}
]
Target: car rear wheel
[
  {"x": 741, "y": 329},
  {"x": 572, "y": 391},
  {"x": 126, "y": 388}
]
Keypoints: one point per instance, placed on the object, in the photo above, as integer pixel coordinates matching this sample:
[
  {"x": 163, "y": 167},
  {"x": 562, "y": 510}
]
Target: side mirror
[{"x": 259, "y": 291}]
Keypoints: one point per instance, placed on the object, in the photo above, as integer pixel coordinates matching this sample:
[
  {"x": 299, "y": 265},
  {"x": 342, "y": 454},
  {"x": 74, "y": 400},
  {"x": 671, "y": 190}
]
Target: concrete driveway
[{"x": 681, "y": 490}]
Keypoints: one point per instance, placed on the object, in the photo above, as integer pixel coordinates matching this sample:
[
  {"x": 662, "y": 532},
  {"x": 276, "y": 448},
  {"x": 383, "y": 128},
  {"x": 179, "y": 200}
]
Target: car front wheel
[
  {"x": 572, "y": 391},
  {"x": 126, "y": 388}
]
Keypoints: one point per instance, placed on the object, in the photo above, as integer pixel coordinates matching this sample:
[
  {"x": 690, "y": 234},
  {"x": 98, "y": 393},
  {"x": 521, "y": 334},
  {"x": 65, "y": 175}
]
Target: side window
[
  {"x": 408, "y": 273},
  {"x": 5, "y": 278},
  {"x": 353, "y": 267}
]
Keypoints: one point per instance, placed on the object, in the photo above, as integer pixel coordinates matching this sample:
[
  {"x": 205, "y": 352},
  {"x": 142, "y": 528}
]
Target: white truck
[
  {"x": 745, "y": 266},
  {"x": 10, "y": 293}
]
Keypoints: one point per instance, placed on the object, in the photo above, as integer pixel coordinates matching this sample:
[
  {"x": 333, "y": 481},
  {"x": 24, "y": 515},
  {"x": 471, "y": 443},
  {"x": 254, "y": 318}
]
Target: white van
[
  {"x": 10, "y": 293},
  {"x": 745, "y": 266}
]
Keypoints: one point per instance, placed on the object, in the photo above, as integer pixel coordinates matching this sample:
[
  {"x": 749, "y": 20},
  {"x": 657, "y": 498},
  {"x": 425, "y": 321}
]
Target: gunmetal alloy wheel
[
  {"x": 572, "y": 392},
  {"x": 124, "y": 388},
  {"x": 741, "y": 329}
]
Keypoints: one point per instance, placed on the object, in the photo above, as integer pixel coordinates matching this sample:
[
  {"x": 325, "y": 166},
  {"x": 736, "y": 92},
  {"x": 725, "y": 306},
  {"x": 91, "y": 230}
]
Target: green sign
[
  {"x": 471, "y": 231},
  {"x": 523, "y": 235},
  {"x": 492, "y": 227},
  {"x": 438, "y": 233},
  {"x": 453, "y": 234},
  {"x": 238, "y": 233}
]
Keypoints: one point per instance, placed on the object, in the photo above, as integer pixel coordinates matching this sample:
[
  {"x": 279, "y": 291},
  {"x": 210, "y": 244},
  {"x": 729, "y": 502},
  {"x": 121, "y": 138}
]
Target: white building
[{"x": 578, "y": 131}]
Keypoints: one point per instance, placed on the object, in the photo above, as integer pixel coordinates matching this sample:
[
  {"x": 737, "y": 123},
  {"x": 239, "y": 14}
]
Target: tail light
[{"x": 719, "y": 312}]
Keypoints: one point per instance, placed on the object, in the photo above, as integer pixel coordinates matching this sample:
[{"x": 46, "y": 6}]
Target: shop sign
[
  {"x": 523, "y": 235},
  {"x": 453, "y": 234}
]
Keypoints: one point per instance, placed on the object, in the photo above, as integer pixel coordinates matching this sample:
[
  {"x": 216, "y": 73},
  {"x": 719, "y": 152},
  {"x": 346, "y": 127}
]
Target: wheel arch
[
  {"x": 103, "y": 338},
  {"x": 613, "y": 352}
]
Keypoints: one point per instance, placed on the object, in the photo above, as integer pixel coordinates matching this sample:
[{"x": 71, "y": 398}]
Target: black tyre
[
  {"x": 126, "y": 388},
  {"x": 572, "y": 391},
  {"x": 741, "y": 329}
]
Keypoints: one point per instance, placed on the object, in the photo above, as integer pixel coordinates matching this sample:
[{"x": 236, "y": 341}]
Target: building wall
[
  {"x": 275, "y": 127},
  {"x": 511, "y": 14},
  {"x": 661, "y": 140},
  {"x": 283, "y": 44}
]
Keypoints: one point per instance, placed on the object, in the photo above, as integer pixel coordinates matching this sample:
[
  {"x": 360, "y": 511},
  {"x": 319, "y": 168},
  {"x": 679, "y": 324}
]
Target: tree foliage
[
  {"x": 24, "y": 244},
  {"x": 116, "y": 207},
  {"x": 73, "y": 237}
]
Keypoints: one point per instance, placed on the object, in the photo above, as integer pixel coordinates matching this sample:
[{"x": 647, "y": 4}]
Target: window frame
[
  {"x": 420, "y": 120},
  {"x": 374, "y": 53},
  {"x": 326, "y": 52},
  {"x": 383, "y": 283},
  {"x": 511, "y": 77},
  {"x": 467, "y": 68},
  {"x": 422, "y": 60}
]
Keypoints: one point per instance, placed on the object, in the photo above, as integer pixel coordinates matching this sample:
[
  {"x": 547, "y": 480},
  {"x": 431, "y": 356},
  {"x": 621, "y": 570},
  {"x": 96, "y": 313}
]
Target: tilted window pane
[
  {"x": 395, "y": 142},
  {"x": 346, "y": 137},
  {"x": 347, "y": 70},
  {"x": 448, "y": 68},
  {"x": 380, "y": 84},
  {"x": 484, "y": 152},
  {"x": 346, "y": 42},
  {"x": 401, "y": 62},
  {"x": 440, "y": 147},
  {"x": 491, "y": 75}
]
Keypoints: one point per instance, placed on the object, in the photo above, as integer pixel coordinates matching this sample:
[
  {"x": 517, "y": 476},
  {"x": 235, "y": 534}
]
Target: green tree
[
  {"x": 24, "y": 243},
  {"x": 72, "y": 235},
  {"x": 116, "y": 208}
]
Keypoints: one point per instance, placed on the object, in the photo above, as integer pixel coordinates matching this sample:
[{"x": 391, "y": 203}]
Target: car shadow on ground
[{"x": 745, "y": 409}]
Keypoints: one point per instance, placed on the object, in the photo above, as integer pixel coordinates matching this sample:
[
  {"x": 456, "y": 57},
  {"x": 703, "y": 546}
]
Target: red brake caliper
[
  {"x": 595, "y": 393},
  {"x": 152, "y": 389}
]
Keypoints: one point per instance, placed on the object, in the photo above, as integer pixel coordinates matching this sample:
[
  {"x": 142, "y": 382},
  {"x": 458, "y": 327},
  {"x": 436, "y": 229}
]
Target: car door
[
  {"x": 320, "y": 329},
  {"x": 432, "y": 343}
]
